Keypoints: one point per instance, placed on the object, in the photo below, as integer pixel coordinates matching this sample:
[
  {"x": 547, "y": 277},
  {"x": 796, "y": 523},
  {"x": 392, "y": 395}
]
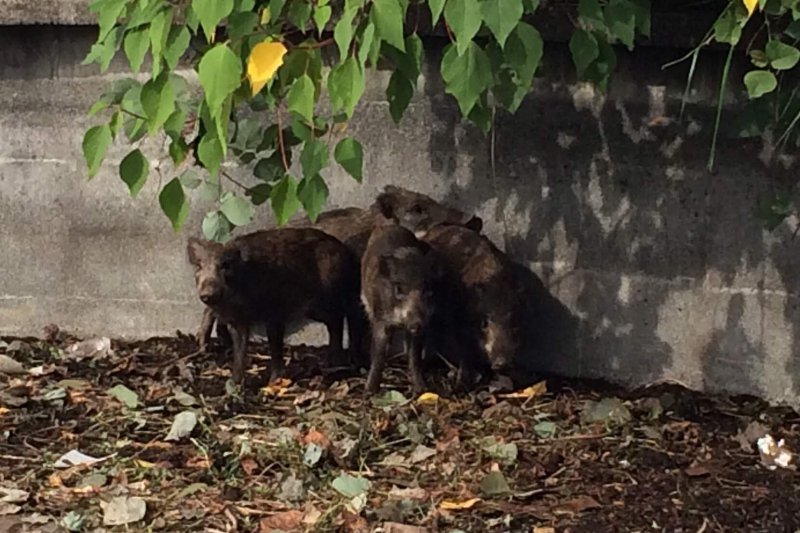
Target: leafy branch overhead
[{"x": 264, "y": 67}]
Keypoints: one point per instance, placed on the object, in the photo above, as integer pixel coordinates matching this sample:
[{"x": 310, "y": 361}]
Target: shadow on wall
[{"x": 650, "y": 266}]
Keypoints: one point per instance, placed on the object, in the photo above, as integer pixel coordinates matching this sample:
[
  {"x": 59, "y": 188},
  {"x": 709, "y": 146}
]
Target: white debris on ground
[{"x": 774, "y": 454}]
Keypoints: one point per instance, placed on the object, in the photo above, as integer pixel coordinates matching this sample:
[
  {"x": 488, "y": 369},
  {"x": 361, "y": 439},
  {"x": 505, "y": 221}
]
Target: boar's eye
[{"x": 416, "y": 209}]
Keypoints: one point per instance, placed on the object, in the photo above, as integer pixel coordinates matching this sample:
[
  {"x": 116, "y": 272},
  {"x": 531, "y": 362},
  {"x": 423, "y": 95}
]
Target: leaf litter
[{"x": 87, "y": 442}]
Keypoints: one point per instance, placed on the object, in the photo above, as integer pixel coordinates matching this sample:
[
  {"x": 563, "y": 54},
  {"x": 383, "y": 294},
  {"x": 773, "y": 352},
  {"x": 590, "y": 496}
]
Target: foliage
[{"x": 264, "y": 67}]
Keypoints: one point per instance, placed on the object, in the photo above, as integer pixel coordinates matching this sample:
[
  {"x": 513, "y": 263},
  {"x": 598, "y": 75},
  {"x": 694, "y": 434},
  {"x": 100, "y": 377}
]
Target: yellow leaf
[
  {"x": 3, "y": 411},
  {"x": 531, "y": 392},
  {"x": 449, "y": 505},
  {"x": 277, "y": 387},
  {"x": 144, "y": 464},
  {"x": 428, "y": 397},
  {"x": 265, "y": 16},
  {"x": 750, "y": 5},
  {"x": 263, "y": 63}
]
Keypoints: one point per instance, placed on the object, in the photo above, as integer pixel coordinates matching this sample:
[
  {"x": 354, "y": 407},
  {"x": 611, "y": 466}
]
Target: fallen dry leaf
[
  {"x": 285, "y": 521},
  {"x": 279, "y": 387},
  {"x": 355, "y": 523},
  {"x": 416, "y": 493},
  {"x": 449, "y": 505},
  {"x": 249, "y": 465},
  {"x": 315, "y": 436},
  {"x": 428, "y": 398},
  {"x": 697, "y": 471},
  {"x": 533, "y": 391},
  {"x": 579, "y": 504},
  {"x": 538, "y": 529},
  {"x": 394, "y": 527}
]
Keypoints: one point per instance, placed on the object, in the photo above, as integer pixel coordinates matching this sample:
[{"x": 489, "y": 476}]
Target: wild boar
[
  {"x": 277, "y": 277},
  {"x": 485, "y": 299},
  {"x": 419, "y": 213},
  {"x": 398, "y": 276},
  {"x": 353, "y": 225}
]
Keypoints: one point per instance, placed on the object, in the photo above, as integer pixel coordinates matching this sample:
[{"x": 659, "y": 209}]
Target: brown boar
[
  {"x": 398, "y": 276},
  {"x": 277, "y": 277},
  {"x": 353, "y": 225},
  {"x": 419, "y": 213},
  {"x": 484, "y": 295}
]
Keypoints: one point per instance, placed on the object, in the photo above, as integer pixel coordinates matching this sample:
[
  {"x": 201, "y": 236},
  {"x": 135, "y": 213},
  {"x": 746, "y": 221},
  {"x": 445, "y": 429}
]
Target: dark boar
[
  {"x": 398, "y": 275},
  {"x": 484, "y": 294},
  {"x": 277, "y": 277},
  {"x": 419, "y": 213},
  {"x": 353, "y": 226}
]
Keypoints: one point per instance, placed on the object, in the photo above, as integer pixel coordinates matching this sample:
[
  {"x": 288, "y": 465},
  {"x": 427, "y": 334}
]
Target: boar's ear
[
  {"x": 197, "y": 250},
  {"x": 385, "y": 203},
  {"x": 475, "y": 224}
]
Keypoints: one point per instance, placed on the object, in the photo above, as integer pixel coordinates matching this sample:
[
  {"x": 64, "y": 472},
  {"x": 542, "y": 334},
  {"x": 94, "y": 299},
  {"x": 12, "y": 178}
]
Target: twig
[
  {"x": 233, "y": 180},
  {"x": 280, "y": 142}
]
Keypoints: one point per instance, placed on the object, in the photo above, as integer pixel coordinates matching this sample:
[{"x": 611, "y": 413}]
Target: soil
[{"x": 313, "y": 454}]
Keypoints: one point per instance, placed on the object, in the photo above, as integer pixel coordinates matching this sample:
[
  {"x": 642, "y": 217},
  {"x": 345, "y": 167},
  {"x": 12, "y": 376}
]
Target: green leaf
[
  {"x": 313, "y": 193},
  {"x": 366, "y": 42},
  {"x": 313, "y": 158},
  {"x": 480, "y": 115},
  {"x": 436, "y": 7},
  {"x": 301, "y": 98},
  {"x": 135, "y": 128},
  {"x": 108, "y": 11},
  {"x": 237, "y": 210},
  {"x": 504, "y": 451},
  {"x": 283, "y": 198},
  {"x": 103, "y": 52},
  {"x": 410, "y": 62},
  {"x": 494, "y": 484},
  {"x": 389, "y": 16},
  {"x": 727, "y": 29},
  {"x": 760, "y": 82},
  {"x": 260, "y": 193},
  {"x": 210, "y": 153},
  {"x": 177, "y": 43},
  {"x": 269, "y": 168},
  {"x": 136, "y": 44},
  {"x": 189, "y": 179},
  {"x": 399, "y": 92},
  {"x": 122, "y": 393},
  {"x": 174, "y": 203},
  {"x": 95, "y": 144},
  {"x": 466, "y": 76},
  {"x": 346, "y": 86},
  {"x": 158, "y": 101},
  {"x": 210, "y": 13},
  {"x": 351, "y": 486},
  {"x": 600, "y": 70},
  {"x": 133, "y": 170},
  {"x": 545, "y": 429},
  {"x": 501, "y": 16},
  {"x": 216, "y": 227},
  {"x": 322, "y": 14},
  {"x": 220, "y": 73},
  {"x": 115, "y": 123},
  {"x": 350, "y": 155},
  {"x": 159, "y": 33},
  {"x": 523, "y": 53},
  {"x": 759, "y": 58},
  {"x": 584, "y": 49},
  {"x": 641, "y": 9},
  {"x": 464, "y": 19},
  {"x": 590, "y": 12},
  {"x": 530, "y": 5},
  {"x": 343, "y": 33},
  {"x": 241, "y": 24},
  {"x": 781, "y": 55},
  {"x": 299, "y": 13},
  {"x": 621, "y": 21}
]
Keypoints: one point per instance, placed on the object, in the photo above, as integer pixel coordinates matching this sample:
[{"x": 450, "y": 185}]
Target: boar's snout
[
  {"x": 500, "y": 343},
  {"x": 210, "y": 292}
]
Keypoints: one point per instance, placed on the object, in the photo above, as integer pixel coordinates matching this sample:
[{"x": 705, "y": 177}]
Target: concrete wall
[{"x": 646, "y": 266}]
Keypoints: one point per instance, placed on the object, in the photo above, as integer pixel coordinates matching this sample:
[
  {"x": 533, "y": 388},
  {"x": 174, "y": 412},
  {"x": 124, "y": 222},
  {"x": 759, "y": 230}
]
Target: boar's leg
[
  {"x": 415, "y": 348},
  {"x": 224, "y": 334},
  {"x": 240, "y": 335},
  {"x": 357, "y": 328},
  {"x": 206, "y": 325},
  {"x": 380, "y": 346},
  {"x": 275, "y": 334},
  {"x": 335, "y": 324}
]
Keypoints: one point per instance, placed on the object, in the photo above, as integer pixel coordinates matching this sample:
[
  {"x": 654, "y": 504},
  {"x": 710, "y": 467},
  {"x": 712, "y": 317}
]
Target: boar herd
[{"x": 406, "y": 266}]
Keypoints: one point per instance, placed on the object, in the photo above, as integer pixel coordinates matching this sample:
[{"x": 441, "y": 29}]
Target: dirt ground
[{"x": 178, "y": 453}]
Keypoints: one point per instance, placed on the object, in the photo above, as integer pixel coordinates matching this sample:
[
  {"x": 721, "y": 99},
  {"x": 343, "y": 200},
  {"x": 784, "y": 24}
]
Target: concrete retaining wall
[{"x": 648, "y": 266}]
